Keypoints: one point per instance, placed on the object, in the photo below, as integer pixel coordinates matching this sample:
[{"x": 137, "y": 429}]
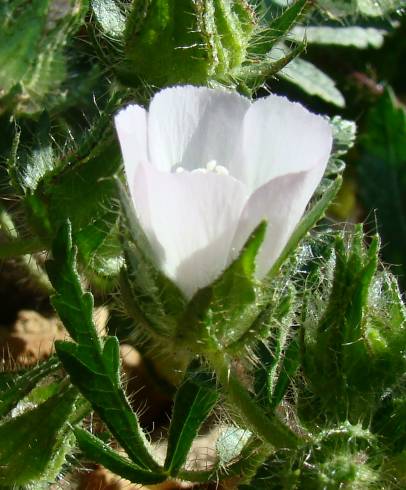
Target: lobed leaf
[{"x": 92, "y": 366}]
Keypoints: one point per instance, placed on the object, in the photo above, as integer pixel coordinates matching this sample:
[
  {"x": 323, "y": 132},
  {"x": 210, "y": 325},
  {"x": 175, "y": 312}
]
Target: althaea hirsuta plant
[{"x": 141, "y": 152}]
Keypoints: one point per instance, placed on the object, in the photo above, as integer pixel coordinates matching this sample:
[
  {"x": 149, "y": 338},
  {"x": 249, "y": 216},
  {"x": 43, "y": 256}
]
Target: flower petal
[
  {"x": 282, "y": 137},
  {"x": 131, "y": 126},
  {"x": 190, "y": 220},
  {"x": 190, "y": 126},
  {"x": 281, "y": 202}
]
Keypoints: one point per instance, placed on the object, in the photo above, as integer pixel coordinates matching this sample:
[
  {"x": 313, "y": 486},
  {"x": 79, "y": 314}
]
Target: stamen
[{"x": 221, "y": 170}]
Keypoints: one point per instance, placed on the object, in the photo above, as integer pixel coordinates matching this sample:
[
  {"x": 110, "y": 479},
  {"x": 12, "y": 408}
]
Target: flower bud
[{"x": 187, "y": 41}]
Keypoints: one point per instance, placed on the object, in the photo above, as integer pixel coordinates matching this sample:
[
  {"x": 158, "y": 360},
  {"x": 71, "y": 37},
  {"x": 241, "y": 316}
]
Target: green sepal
[
  {"x": 97, "y": 450},
  {"x": 194, "y": 400},
  {"x": 150, "y": 297},
  {"x": 92, "y": 365},
  {"x": 230, "y": 300},
  {"x": 31, "y": 450}
]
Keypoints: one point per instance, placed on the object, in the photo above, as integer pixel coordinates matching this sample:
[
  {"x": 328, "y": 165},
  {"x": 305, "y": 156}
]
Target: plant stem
[{"x": 269, "y": 428}]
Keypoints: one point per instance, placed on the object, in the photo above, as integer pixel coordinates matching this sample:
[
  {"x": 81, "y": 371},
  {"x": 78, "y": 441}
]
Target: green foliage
[
  {"x": 230, "y": 300},
  {"x": 18, "y": 387},
  {"x": 333, "y": 344},
  {"x": 168, "y": 42},
  {"x": 151, "y": 299},
  {"x": 26, "y": 169},
  {"x": 358, "y": 24},
  {"x": 97, "y": 450},
  {"x": 349, "y": 393},
  {"x": 355, "y": 36},
  {"x": 193, "y": 403},
  {"x": 34, "y": 451},
  {"x": 92, "y": 365},
  {"x": 31, "y": 55},
  {"x": 381, "y": 171},
  {"x": 307, "y": 368},
  {"x": 312, "y": 80}
]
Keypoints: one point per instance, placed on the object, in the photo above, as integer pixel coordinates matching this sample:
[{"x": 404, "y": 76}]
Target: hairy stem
[{"x": 269, "y": 428}]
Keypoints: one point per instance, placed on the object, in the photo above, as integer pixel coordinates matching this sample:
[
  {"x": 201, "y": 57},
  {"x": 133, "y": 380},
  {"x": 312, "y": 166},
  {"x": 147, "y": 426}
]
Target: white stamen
[
  {"x": 211, "y": 165},
  {"x": 221, "y": 170}
]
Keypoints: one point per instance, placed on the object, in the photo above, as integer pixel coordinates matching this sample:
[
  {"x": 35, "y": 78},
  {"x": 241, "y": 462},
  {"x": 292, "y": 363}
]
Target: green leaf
[
  {"x": 23, "y": 384},
  {"x": 18, "y": 46},
  {"x": 93, "y": 367},
  {"x": 289, "y": 366},
  {"x": 279, "y": 27},
  {"x": 93, "y": 240},
  {"x": 27, "y": 168},
  {"x": 282, "y": 25},
  {"x": 78, "y": 185},
  {"x": 31, "y": 450},
  {"x": 382, "y": 175},
  {"x": 97, "y": 450},
  {"x": 32, "y": 38},
  {"x": 271, "y": 352},
  {"x": 354, "y": 36},
  {"x": 310, "y": 79},
  {"x": 344, "y": 133},
  {"x": 83, "y": 191},
  {"x": 378, "y": 8},
  {"x": 255, "y": 74},
  {"x": 193, "y": 404},
  {"x": 315, "y": 213}
]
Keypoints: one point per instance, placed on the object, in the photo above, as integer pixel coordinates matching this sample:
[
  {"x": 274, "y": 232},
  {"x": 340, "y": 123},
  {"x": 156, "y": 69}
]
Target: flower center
[{"x": 211, "y": 167}]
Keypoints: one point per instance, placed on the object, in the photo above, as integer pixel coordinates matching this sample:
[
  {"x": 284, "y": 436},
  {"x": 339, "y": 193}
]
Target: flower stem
[{"x": 269, "y": 428}]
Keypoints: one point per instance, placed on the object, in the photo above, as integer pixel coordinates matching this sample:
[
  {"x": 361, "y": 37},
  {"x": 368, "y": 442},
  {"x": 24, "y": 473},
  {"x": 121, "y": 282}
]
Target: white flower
[{"x": 205, "y": 166}]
